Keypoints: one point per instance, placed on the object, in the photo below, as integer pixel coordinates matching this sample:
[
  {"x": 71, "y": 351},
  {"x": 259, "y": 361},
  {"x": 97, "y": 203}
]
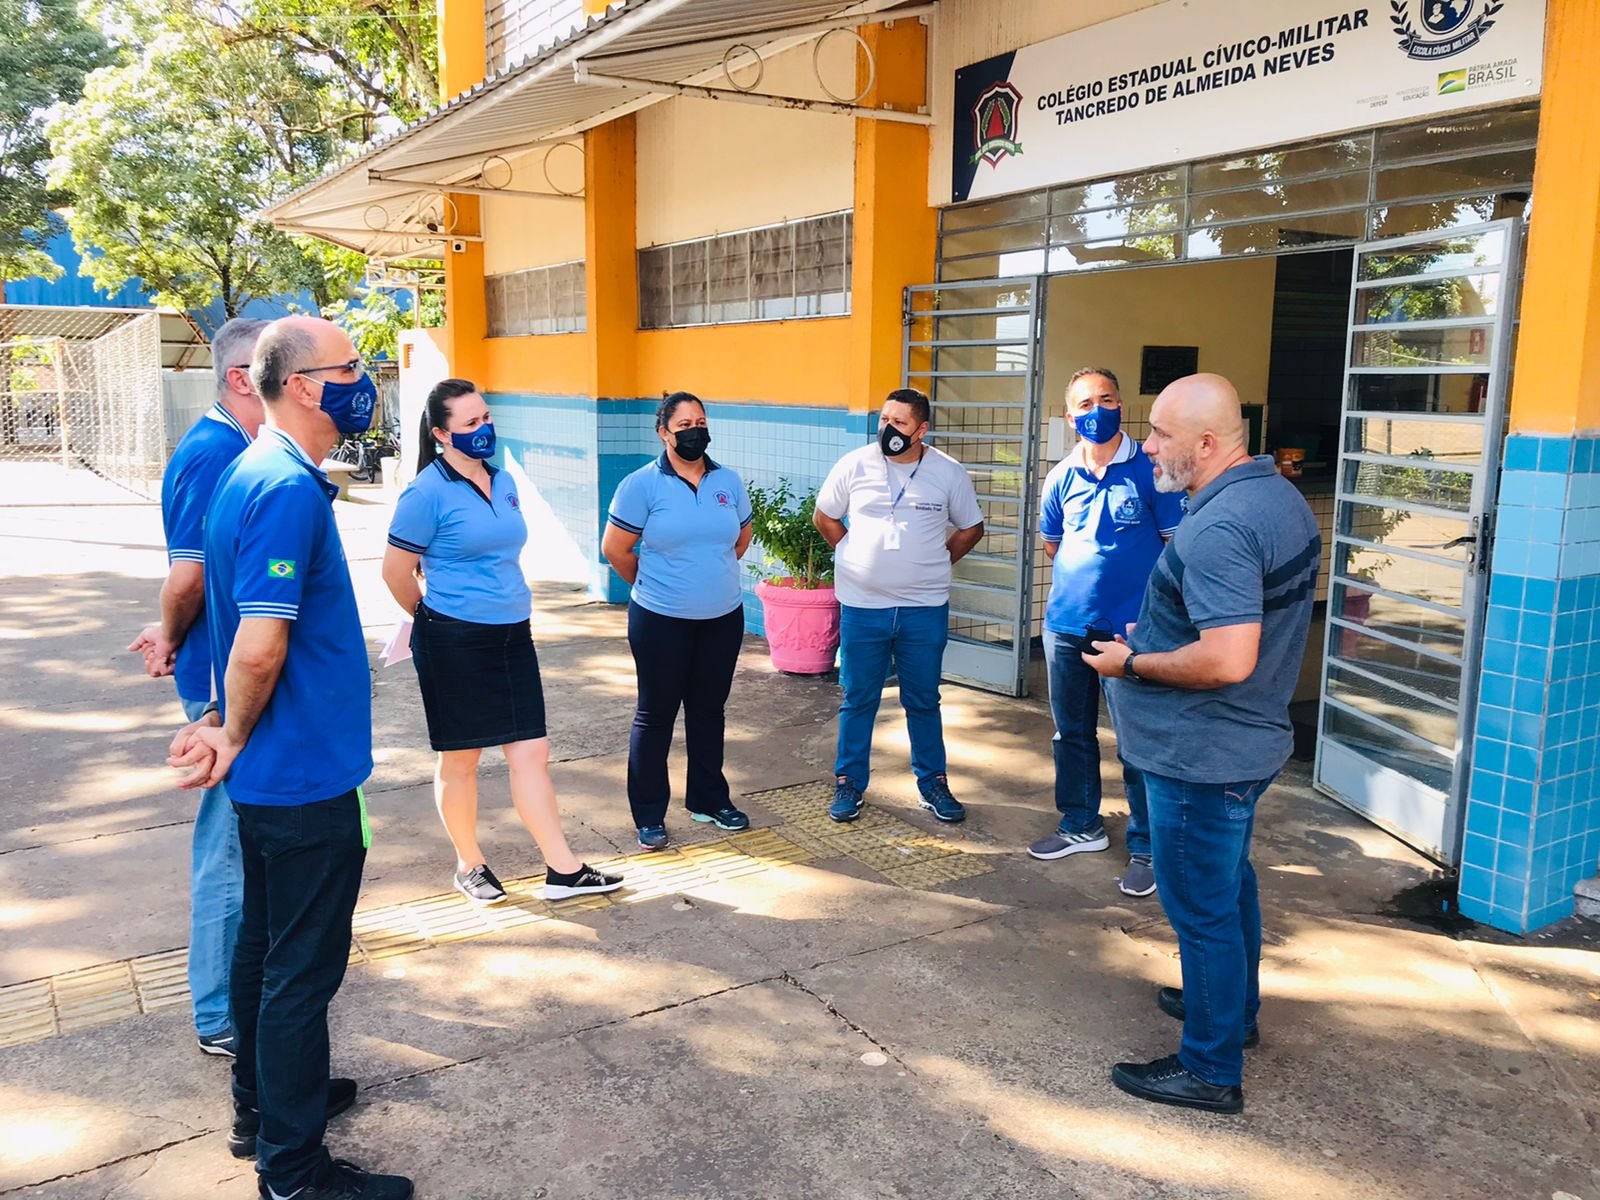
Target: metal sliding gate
[
  {"x": 1424, "y": 407},
  {"x": 973, "y": 347}
]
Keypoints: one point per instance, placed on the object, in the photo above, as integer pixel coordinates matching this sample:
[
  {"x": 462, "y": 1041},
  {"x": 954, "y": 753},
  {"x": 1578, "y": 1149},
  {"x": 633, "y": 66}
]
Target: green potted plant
[{"x": 798, "y": 604}]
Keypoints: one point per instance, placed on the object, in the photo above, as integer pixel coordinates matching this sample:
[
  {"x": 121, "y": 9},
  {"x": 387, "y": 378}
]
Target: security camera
[{"x": 458, "y": 246}]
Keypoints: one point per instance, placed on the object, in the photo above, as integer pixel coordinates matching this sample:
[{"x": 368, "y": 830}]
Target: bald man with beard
[{"x": 1200, "y": 699}]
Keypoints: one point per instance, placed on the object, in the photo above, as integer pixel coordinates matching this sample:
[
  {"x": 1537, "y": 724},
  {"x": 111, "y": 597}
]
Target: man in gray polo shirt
[{"x": 1201, "y": 706}]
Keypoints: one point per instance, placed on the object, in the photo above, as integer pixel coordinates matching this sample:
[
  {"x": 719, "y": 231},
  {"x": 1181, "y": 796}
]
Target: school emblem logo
[
  {"x": 1127, "y": 512},
  {"x": 280, "y": 568},
  {"x": 994, "y": 123},
  {"x": 724, "y": 499},
  {"x": 1448, "y": 27},
  {"x": 481, "y": 441},
  {"x": 512, "y": 500}
]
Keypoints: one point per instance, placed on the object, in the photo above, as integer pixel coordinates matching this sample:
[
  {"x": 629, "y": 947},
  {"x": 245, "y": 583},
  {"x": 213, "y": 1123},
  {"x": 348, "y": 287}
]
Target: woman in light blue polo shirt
[
  {"x": 676, "y": 531},
  {"x": 461, "y": 522}
]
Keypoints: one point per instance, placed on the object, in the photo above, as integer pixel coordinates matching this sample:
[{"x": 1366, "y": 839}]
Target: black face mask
[
  {"x": 690, "y": 444},
  {"x": 891, "y": 441}
]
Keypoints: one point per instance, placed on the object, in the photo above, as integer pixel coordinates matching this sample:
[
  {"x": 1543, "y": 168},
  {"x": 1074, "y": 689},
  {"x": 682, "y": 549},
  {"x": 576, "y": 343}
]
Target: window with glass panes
[
  {"x": 773, "y": 273},
  {"x": 1451, "y": 171},
  {"x": 538, "y": 300}
]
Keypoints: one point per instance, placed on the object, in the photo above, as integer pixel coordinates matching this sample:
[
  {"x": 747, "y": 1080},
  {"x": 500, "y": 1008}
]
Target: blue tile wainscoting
[
  {"x": 1533, "y": 803},
  {"x": 576, "y": 451}
]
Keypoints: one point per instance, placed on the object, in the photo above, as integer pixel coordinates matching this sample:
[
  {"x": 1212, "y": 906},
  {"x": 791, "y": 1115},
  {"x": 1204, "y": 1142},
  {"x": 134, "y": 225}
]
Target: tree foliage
[
  {"x": 46, "y": 49},
  {"x": 216, "y": 108}
]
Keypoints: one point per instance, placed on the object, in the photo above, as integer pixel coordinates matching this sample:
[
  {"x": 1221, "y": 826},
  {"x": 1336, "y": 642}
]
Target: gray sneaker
[
  {"x": 1139, "y": 879},
  {"x": 1059, "y": 845},
  {"x": 479, "y": 885}
]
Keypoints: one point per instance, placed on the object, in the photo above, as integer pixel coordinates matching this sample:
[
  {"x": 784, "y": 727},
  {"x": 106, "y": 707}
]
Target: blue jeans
[
  {"x": 913, "y": 638},
  {"x": 1075, "y": 705},
  {"x": 216, "y": 891},
  {"x": 1201, "y": 833},
  {"x": 302, "y": 873}
]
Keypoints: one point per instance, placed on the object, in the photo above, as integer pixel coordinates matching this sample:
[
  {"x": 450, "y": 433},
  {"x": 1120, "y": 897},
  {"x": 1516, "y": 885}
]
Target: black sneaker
[
  {"x": 218, "y": 1045},
  {"x": 247, "y": 1121},
  {"x": 1166, "y": 1081},
  {"x": 479, "y": 885},
  {"x": 1170, "y": 1001},
  {"x": 585, "y": 881},
  {"x": 341, "y": 1179}
]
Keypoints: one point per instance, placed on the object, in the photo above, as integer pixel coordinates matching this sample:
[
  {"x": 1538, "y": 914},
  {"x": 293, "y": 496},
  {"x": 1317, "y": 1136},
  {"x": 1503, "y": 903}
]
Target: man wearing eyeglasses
[
  {"x": 177, "y": 645},
  {"x": 291, "y": 732}
]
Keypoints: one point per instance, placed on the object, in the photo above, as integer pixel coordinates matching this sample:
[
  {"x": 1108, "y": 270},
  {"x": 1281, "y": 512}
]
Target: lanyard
[{"x": 895, "y": 503}]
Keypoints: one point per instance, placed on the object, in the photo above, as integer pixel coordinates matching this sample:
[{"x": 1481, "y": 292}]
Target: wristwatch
[
  {"x": 1127, "y": 668},
  {"x": 211, "y": 707}
]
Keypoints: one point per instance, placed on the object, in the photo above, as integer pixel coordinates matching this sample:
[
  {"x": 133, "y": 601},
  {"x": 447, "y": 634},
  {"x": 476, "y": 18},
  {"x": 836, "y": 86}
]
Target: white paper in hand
[{"x": 398, "y": 648}]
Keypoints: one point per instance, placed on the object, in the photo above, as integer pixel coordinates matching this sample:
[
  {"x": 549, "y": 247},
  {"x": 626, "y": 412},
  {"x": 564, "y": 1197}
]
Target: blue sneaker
[
  {"x": 653, "y": 837},
  {"x": 846, "y": 804},
  {"x": 727, "y": 817},
  {"x": 218, "y": 1045},
  {"x": 936, "y": 798}
]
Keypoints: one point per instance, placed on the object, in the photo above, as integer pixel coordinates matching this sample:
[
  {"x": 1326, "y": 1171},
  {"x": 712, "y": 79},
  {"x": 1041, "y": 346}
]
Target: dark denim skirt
[{"x": 480, "y": 683}]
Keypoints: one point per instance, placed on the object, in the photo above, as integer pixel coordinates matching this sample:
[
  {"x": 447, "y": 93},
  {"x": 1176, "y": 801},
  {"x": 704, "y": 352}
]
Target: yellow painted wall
[
  {"x": 708, "y": 166},
  {"x": 535, "y": 233},
  {"x": 784, "y": 362},
  {"x": 553, "y": 364},
  {"x": 969, "y": 31},
  {"x": 461, "y": 46},
  {"x": 1557, "y": 384},
  {"x": 1106, "y": 319}
]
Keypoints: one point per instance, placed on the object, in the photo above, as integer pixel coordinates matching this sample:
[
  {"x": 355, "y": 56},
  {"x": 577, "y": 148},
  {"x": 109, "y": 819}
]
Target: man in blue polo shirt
[
  {"x": 178, "y": 645},
  {"x": 1104, "y": 525},
  {"x": 291, "y": 731}
]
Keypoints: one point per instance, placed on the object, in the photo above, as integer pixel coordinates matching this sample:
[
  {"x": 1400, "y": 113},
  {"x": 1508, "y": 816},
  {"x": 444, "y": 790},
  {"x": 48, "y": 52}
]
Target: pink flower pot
[{"x": 802, "y": 626}]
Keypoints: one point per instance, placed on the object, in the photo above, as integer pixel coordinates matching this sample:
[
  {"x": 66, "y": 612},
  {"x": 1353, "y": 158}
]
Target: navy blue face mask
[
  {"x": 350, "y": 404},
  {"x": 477, "y": 444},
  {"x": 1099, "y": 424}
]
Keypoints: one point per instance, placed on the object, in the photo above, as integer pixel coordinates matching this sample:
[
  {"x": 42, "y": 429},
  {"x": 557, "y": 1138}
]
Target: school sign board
[{"x": 1194, "y": 78}]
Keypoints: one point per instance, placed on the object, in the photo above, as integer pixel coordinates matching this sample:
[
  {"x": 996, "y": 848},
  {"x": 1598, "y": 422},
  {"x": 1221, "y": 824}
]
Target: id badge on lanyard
[{"x": 891, "y": 527}]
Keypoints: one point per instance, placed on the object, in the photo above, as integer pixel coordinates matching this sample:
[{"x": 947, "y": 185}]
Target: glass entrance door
[
  {"x": 1424, "y": 403},
  {"x": 973, "y": 348}
]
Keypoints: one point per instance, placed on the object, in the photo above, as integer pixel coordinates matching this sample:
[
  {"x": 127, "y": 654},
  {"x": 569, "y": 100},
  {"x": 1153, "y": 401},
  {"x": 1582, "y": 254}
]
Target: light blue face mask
[{"x": 477, "y": 444}]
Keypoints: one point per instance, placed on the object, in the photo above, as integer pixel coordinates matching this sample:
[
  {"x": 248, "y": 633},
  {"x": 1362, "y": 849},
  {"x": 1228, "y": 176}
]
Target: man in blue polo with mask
[
  {"x": 1104, "y": 525},
  {"x": 290, "y": 730}
]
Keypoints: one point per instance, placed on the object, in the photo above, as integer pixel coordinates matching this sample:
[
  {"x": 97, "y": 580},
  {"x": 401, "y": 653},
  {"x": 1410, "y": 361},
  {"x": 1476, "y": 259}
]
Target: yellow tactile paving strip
[{"x": 903, "y": 854}]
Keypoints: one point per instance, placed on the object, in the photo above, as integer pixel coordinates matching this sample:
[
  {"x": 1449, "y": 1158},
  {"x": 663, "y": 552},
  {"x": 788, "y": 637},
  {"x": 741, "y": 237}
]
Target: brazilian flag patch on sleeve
[{"x": 280, "y": 568}]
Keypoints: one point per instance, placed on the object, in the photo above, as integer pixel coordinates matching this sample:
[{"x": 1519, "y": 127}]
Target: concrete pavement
[{"x": 802, "y": 1012}]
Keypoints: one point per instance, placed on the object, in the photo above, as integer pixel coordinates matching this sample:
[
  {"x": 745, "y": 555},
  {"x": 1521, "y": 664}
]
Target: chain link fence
[{"x": 84, "y": 388}]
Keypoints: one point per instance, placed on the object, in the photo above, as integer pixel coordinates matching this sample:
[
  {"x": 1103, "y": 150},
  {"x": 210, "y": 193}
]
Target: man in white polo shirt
[{"x": 912, "y": 513}]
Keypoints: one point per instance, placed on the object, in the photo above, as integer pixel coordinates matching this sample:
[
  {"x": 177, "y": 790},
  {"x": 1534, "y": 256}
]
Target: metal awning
[
  {"x": 183, "y": 344},
  {"x": 381, "y": 202}
]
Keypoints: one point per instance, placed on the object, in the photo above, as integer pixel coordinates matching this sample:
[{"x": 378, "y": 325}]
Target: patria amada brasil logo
[
  {"x": 1448, "y": 26},
  {"x": 994, "y": 123}
]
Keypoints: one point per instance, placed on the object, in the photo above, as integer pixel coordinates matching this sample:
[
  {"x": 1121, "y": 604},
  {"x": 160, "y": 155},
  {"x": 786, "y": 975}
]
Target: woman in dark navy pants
[{"x": 676, "y": 532}]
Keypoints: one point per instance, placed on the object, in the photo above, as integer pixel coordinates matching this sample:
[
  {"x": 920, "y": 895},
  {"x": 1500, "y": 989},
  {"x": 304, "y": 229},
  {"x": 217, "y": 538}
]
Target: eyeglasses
[{"x": 354, "y": 365}]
